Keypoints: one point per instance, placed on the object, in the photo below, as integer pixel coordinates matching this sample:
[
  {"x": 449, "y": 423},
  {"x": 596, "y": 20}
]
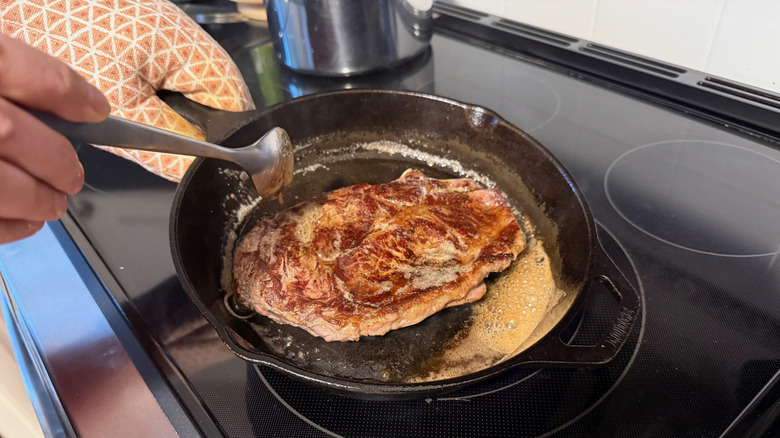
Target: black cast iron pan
[{"x": 214, "y": 205}]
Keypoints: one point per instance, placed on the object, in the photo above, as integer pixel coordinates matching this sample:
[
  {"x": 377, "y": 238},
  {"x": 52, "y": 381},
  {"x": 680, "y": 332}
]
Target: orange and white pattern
[{"x": 129, "y": 49}]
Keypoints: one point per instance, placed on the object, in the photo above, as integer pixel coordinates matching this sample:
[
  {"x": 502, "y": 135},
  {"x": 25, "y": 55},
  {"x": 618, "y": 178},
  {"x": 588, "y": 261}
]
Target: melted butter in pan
[{"x": 516, "y": 302}]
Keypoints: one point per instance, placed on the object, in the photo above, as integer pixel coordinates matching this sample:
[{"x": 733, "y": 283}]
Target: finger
[
  {"x": 25, "y": 197},
  {"x": 35, "y": 79},
  {"x": 17, "y": 229},
  {"x": 35, "y": 148}
]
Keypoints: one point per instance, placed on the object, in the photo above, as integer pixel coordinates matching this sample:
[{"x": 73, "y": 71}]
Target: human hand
[
  {"x": 130, "y": 49},
  {"x": 38, "y": 166}
]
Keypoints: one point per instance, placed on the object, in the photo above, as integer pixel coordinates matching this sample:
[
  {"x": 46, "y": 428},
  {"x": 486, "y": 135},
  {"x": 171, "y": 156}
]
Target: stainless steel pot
[{"x": 348, "y": 37}]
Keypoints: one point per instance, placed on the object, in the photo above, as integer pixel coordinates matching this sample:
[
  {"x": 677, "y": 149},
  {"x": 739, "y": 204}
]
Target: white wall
[{"x": 735, "y": 39}]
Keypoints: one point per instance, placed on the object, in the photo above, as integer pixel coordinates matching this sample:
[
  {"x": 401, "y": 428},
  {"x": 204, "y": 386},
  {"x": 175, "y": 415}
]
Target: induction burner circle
[
  {"x": 531, "y": 103},
  {"x": 707, "y": 197},
  {"x": 520, "y": 402}
]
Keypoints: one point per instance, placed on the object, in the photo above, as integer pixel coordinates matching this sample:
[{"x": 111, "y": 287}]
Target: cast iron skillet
[{"x": 330, "y": 125}]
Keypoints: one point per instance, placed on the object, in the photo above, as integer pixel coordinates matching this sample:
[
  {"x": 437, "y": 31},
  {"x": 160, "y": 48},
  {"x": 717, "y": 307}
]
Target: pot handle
[{"x": 551, "y": 350}]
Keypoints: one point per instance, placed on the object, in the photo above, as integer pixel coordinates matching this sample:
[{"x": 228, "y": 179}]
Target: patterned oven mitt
[{"x": 129, "y": 49}]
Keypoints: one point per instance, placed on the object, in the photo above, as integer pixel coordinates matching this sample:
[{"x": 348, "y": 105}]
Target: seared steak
[{"x": 367, "y": 259}]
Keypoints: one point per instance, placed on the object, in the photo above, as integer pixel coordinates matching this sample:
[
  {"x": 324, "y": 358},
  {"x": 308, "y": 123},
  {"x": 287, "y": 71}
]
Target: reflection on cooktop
[
  {"x": 519, "y": 402},
  {"x": 708, "y": 197},
  {"x": 276, "y": 83},
  {"x": 105, "y": 172},
  {"x": 513, "y": 90}
]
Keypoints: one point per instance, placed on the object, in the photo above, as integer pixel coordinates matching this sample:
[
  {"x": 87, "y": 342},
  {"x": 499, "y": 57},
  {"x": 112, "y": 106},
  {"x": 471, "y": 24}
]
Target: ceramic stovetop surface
[{"x": 686, "y": 209}]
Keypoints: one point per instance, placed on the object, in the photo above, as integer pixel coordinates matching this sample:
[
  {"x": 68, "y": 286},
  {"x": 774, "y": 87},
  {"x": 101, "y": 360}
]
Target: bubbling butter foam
[
  {"x": 393, "y": 148},
  {"x": 515, "y": 303},
  {"x": 246, "y": 205}
]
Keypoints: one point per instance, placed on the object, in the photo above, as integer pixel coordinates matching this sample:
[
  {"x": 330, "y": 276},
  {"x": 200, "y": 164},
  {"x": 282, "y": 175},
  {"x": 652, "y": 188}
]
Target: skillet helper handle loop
[
  {"x": 115, "y": 131},
  {"x": 553, "y": 351},
  {"x": 629, "y": 308}
]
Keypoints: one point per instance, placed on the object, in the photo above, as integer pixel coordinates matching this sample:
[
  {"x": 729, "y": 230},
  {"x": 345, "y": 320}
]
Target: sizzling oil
[{"x": 504, "y": 319}]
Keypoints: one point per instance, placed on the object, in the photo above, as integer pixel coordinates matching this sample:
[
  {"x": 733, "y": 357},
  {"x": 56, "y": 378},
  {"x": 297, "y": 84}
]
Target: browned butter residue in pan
[{"x": 503, "y": 320}]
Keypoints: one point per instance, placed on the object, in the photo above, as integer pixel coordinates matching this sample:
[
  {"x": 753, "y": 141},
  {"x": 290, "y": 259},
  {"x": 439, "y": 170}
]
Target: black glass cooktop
[{"x": 685, "y": 208}]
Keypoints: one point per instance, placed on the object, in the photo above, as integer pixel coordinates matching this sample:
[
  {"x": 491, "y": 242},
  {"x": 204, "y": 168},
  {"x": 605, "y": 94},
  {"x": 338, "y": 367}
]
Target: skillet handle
[
  {"x": 216, "y": 124},
  {"x": 550, "y": 350}
]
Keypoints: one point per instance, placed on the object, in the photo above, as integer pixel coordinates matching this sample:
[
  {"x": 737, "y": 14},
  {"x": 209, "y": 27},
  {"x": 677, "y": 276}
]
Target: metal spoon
[{"x": 269, "y": 161}]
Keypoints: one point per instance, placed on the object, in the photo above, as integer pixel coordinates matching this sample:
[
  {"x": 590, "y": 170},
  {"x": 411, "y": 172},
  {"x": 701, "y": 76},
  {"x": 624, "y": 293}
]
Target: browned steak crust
[{"x": 367, "y": 259}]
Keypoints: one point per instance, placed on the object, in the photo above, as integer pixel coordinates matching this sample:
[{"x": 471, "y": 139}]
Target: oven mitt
[{"x": 129, "y": 49}]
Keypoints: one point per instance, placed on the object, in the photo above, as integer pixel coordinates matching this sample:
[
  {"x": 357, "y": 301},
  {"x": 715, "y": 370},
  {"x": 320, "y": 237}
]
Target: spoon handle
[{"x": 115, "y": 131}]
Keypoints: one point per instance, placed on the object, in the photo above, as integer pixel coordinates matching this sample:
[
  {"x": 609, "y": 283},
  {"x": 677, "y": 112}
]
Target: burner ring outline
[{"x": 625, "y": 217}]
